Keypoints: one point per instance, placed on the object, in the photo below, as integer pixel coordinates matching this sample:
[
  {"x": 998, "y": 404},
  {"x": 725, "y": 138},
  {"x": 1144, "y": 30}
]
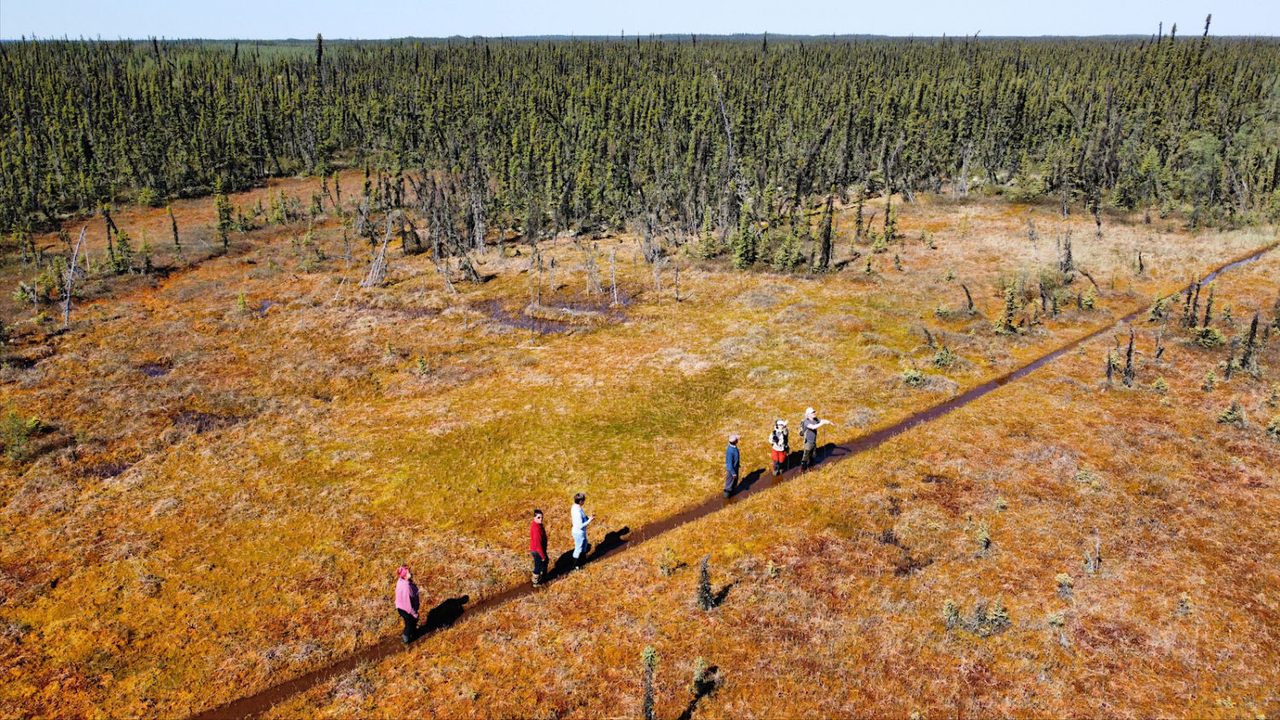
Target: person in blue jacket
[{"x": 731, "y": 464}]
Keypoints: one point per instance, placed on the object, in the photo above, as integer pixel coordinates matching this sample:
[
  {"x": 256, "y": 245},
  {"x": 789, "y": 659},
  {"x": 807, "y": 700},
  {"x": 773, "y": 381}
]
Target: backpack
[{"x": 779, "y": 437}]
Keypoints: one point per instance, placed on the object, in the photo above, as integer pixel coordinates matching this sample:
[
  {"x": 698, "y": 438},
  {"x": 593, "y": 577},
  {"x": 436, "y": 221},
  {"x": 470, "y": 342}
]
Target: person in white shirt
[
  {"x": 809, "y": 428},
  {"x": 580, "y": 521}
]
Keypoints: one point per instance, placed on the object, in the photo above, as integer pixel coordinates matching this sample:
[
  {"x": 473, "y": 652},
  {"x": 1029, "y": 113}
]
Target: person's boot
[
  {"x": 536, "y": 580},
  {"x": 404, "y": 638}
]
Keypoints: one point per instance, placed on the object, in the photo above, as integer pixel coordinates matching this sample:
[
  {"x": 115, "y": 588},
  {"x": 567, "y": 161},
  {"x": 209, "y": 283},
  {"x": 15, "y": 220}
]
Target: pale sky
[{"x": 264, "y": 19}]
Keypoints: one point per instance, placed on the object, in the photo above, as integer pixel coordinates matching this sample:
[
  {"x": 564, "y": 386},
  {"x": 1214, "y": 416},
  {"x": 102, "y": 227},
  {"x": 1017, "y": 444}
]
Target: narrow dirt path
[{"x": 618, "y": 541}]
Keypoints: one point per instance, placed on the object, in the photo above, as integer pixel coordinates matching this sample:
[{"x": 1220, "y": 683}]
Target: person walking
[
  {"x": 581, "y": 546},
  {"x": 780, "y": 446},
  {"x": 809, "y": 428},
  {"x": 538, "y": 547},
  {"x": 731, "y": 465},
  {"x": 407, "y": 603}
]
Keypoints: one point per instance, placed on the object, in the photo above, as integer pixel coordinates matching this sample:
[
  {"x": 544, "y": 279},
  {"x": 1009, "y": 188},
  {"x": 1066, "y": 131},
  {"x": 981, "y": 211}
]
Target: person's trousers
[
  {"x": 806, "y": 459},
  {"x": 730, "y": 480},
  {"x": 580, "y": 547},
  {"x": 539, "y": 564},
  {"x": 410, "y": 624}
]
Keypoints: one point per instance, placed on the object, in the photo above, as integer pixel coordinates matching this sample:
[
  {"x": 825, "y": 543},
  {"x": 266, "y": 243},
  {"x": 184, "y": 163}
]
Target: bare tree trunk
[
  {"x": 173, "y": 223},
  {"x": 71, "y": 278},
  {"x": 378, "y": 268},
  {"x": 613, "y": 273}
]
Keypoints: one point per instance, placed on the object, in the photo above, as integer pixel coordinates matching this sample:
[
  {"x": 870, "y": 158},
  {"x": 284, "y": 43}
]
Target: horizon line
[{"x": 623, "y": 37}]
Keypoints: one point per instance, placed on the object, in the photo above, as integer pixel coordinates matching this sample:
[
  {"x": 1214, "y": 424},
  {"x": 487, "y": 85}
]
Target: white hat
[
  {"x": 809, "y": 412},
  {"x": 781, "y": 422},
  {"x": 733, "y": 438}
]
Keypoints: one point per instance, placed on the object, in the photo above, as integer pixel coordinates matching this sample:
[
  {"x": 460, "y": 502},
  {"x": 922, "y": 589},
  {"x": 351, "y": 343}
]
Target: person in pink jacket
[{"x": 407, "y": 603}]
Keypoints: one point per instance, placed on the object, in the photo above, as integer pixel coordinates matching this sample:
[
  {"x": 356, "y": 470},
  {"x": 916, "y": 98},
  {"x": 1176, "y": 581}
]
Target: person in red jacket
[{"x": 538, "y": 547}]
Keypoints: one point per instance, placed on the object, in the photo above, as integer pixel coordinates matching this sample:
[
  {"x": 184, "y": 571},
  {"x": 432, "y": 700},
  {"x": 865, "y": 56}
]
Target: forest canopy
[{"x": 553, "y": 135}]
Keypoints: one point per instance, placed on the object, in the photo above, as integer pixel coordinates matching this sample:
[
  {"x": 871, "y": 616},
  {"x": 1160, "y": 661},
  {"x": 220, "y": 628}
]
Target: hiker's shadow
[
  {"x": 562, "y": 565},
  {"x": 830, "y": 450},
  {"x": 445, "y": 614},
  {"x": 746, "y": 482},
  {"x": 565, "y": 563},
  {"x": 612, "y": 541}
]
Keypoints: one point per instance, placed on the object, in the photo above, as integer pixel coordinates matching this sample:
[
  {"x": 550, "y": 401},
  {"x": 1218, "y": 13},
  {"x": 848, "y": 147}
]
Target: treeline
[{"x": 678, "y": 136}]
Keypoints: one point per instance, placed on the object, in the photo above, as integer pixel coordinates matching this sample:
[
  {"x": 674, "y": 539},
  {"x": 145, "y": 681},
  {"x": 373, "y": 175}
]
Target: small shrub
[
  {"x": 1087, "y": 477},
  {"x": 706, "y": 599},
  {"x": 1184, "y": 605},
  {"x": 1209, "y": 337},
  {"x": 984, "y": 539},
  {"x": 788, "y": 256},
  {"x": 650, "y": 659},
  {"x": 668, "y": 563},
  {"x": 1210, "y": 381},
  {"x": 1006, "y": 325},
  {"x": 16, "y": 432},
  {"x": 1002, "y": 504},
  {"x": 1065, "y": 586},
  {"x": 944, "y": 358},
  {"x": 1056, "y": 620},
  {"x": 1159, "y": 311},
  {"x": 1273, "y": 427},
  {"x": 913, "y": 378},
  {"x": 989, "y": 620},
  {"x": 148, "y": 197},
  {"x": 951, "y": 615},
  {"x": 1089, "y": 300},
  {"x": 880, "y": 245},
  {"x": 1160, "y": 386},
  {"x": 1233, "y": 415}
]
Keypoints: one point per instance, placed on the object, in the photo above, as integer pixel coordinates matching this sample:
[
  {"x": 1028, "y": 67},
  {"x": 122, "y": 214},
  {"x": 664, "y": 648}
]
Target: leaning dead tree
[
  {"x": 378, "y": 268},
  {"x": 71, "y": 278}
]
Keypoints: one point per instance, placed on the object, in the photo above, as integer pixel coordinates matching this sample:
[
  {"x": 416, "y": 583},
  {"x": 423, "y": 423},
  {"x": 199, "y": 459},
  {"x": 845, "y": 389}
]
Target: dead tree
[
  {"x": 378, "y": 268},
  {"x": 112, "y": 230},
  {"x": 1190, "y": 306},
  {"x": 173, "y": 224},
  {"x": 968, "y": 299},
  {"x": 1248, "y": 361},
  {"x": 1129, "y": 372},
  {"x": 613, "y": 273},
  {"x": 592, "y": 270},
  {"x": 70, "y": 280},
  {"x": 1066, "y": 263},
  {"x": 1093, "y": 561}
]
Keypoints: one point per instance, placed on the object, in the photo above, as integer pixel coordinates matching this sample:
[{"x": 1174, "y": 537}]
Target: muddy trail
[{"x": 618, "y": 541}]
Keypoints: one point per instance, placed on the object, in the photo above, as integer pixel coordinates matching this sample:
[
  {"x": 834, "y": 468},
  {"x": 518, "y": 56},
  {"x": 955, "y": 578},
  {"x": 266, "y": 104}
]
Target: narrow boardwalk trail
[{"x": 619, "y": 541}]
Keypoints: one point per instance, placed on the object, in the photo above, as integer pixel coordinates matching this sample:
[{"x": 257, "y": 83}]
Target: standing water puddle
[{"x": 618, "y": 541}]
